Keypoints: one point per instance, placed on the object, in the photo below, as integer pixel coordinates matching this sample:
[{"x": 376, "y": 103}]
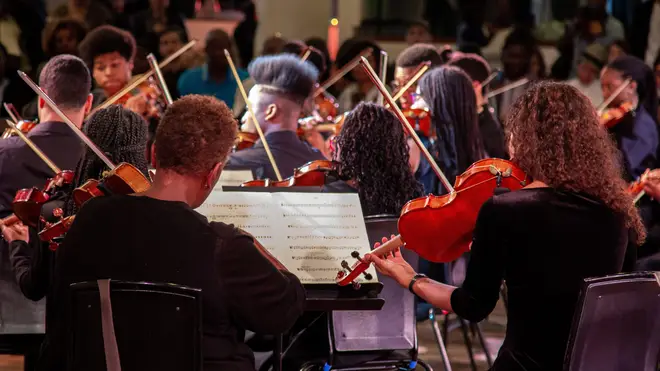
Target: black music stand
[{"x": 323, "y": 297}]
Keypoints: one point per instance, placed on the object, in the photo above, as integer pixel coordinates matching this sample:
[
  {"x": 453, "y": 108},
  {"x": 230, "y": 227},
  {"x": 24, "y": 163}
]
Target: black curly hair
[
  {"x": 122, "y": 135},
  {"x": 107, "y": 39},
  {"x": 373, "y": 152}
]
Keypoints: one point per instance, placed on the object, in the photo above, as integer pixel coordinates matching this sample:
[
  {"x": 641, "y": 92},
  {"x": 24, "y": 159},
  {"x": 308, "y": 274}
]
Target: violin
[
  {"x": 326, "y": 106},
  {"x": 122, "y": 179},
  {"x": 23, "y": 125},
  {"x": 153, "y": 96},
  {"x": 244, "y": 140},
  {"x": 439, "y": 228},
  {"x": 28, "y": 201},
  {"x": 311, "y": 174},
  {"x": 636, "y": 188},
  {"x": 420, "y": 120},
  {"x": 612, "y": 116}
]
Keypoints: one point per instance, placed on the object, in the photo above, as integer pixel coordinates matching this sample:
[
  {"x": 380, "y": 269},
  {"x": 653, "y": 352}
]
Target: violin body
[
  {"x": 615, "y": 115},
  {"x": 62, "y": 178},
  {"x": 86, "y": 191},
  {"x": 151, "y": 94},
  {"x": 55, "y": 230},
  {"x": 326, "y": 106},
  {"x": 27, "y": 205},
  {"x": 23, "y": 125},
  {"x": 312, "y": 174},
  {"x": 439, "y": 228},
  {"x": 420, "y": 120},
  {"x": 124, "y": 179},
  {"x": 245, "y": 140}
]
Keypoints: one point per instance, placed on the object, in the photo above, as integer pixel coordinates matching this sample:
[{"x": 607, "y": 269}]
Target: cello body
[{"x": 439, "y": 228}]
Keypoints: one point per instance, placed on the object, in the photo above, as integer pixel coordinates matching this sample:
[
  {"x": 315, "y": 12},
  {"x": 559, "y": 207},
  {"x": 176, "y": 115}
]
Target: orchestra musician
[
  {"x": 122, "y": 135},
  {"x": 237, "y": 276},
  {"x": 382, "y": 178},
  {"x": 636, "y": 134},
  {"x": 283, "y": 84},
  {"x": 575, "y": 215},
  {"x": 109, "y": 52},
  {"x": 67, "y": 81},
  {"x": 405, "y": 66},
  {"x": 492, "y": 133}
]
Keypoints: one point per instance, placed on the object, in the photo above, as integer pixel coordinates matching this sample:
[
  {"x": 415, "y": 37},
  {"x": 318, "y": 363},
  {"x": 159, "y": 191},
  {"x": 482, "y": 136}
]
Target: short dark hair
[
  {"x": 194, "y": 134},
  {"x": 107, "y": 39},
  {"x": 51, "y": 30},
  {"x": 521, "y": 37},
  {"x": 299, "y": 48},
  {"x": 475, "y": 66},
  {"x": 67, "y": 81},
  {"x": 284, "y": 75},
  {"x": 416, "y": 54}
]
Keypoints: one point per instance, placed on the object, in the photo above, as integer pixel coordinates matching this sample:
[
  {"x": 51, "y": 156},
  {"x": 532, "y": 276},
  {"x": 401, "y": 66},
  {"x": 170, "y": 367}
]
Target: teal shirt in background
[{"x": 196, "y": 81}]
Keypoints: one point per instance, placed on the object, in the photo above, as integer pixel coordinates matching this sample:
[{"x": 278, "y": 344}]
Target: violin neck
[{"x": 388, "y": 246}]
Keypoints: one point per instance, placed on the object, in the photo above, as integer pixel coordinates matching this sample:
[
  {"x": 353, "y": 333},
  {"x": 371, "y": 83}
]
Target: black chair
[
  {"x": 157, "y": 327},
  {"x": 384, "y": 339},
  {"x": 616, "y": 325}
]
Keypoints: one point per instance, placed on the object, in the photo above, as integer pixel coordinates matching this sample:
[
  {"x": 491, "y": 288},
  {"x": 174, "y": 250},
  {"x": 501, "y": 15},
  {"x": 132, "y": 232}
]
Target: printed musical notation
[{"x": 310, "y": 233}]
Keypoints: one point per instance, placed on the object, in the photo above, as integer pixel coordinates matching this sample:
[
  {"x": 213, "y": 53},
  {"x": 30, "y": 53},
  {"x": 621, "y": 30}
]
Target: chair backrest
[
  {"x": 392, "y": 327},
  {"x": 157, "y": 326},
  {"x": 616, "y": 324}
]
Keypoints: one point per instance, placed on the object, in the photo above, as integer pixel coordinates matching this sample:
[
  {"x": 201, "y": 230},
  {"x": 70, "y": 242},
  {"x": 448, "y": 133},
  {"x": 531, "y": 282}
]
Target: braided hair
[
  {"x": 122, "y": 135},
  {"x": 453, "y": 105},
  {"x": 373, "y": 152}
]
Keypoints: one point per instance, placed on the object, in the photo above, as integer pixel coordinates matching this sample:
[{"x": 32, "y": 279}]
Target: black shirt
[
  {"x": 543, "y": 242},
  {"x": 164, "y": 241},
  {"x": 288, "y": 151},
  {"x": 492, "y": 134}
]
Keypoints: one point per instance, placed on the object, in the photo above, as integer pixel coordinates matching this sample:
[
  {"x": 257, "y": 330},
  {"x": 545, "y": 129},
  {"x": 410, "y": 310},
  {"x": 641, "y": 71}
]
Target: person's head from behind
[
  {"x": 641, "y": 90},
  {"x": 517, "y": 54},
  {"x": 315, "y": 57},
  {"x": 217, "y": 41},
  {"x": 407, "y": 63},
  {"x": 449, "y": 95},
  {"x": 283, "y": 83},
  {"x": 109, "y": 53},
  {"x": 616, "y": 49},
  {"x": 593, "y": 60},
  {"x": 193, "y": 140},
  {"x": 355, "y": 48},
  {"x": 63, "y": 37},
  {"x": 273, "y": 45},
  {"x": 170, "y": 40},
  {"x": 67, "y": 81},
  {"x": 418, "y": 32},
  {"x": 476, "y": 68},
  {"x": 383, "y": 177},
  {"x": 555, "y": 136}
]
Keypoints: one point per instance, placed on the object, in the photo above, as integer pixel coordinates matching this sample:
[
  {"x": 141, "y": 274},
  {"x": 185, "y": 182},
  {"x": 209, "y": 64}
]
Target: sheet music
[{"x": 310, "y": 233}]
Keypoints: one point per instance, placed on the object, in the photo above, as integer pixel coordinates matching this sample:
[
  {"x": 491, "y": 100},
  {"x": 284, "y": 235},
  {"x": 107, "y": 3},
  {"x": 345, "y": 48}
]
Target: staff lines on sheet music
[
  {"x": 323, "y": 247},
  {"x": 324, "y": 237},
  {"x": 327, "y": 258},
  {"x": 317, "y": 215},
  {"x": 234, "y": 206},
  {"x": 246, "y": 226},
  {"x": 323, "y": 226},
  {"x": 317, "y": 205},
  {"x": 224, "y": 216},
  {"x": 306, "y": 268}
]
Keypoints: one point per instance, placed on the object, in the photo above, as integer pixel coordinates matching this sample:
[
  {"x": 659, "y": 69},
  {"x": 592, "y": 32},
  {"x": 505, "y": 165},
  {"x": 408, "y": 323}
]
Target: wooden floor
[{"x": 493, "y": 328}]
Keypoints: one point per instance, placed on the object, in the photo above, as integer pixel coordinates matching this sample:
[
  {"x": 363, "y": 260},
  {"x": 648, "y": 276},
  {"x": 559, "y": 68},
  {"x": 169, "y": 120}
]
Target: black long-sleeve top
[
  {"x": 543, "y": 242},
  {"x": 143, "y": 239}
]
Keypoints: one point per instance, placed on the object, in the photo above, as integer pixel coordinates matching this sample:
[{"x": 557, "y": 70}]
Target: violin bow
[
  {"x": 383, "y": 73},
  {"x": 419, "y": 72},
  {"x": 30, "y": 143},
  {"x": 306, "y": 53},
  {"x": 603, "y": 106},
  {"x": 66, "y": 120},
  {"x": 383, "y": 90},
  {"x": 490, "y": 78},
  {"x": 159, "y": 77},
  {"x": 341, "y": 72},
  {"x": 252, "y": 116},
  {"x": 506, "y": 88},
  {"x": 142, "y": 78}
]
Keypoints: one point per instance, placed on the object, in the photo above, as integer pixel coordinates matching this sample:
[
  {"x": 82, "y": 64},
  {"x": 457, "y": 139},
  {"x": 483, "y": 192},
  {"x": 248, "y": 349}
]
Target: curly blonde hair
[{"x": 556, "y": 138}]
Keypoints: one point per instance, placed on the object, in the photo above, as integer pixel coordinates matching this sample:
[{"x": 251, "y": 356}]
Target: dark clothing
[
  {"x": 492, "y": 134},
  {"x": 638, "y": 34},
  {"x": 339, "y": 186},
  {"x": 288, "y": 151},
  {"x": 142, "y": 24},
  {"x": 637, "y": 139},
  {"x": 236, "y": 280},
  {"x": 542, "y": 242},
  {"x": 21, "y": 168}
]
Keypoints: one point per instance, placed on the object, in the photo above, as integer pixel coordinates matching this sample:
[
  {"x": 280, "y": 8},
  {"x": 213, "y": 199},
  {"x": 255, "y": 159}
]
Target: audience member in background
[
  {"x": 361, "y": 89},
  {"x": 517, "y": 55},
  {"x": 418, "y": 32},
  {"x": 10, "y": 38},
  {"x": 30, "y": 18},
  {"x": 587, "y": 80},
  {"x": 322, "y": 46},
  {"x": 299, "y": 48},
  {"x": 537, "y": 70},
  {"x": 246, "y": 30},
  {"x": 169, "y": 41},
  {"x": 616, "y": 49},
  {"x": 89, "y": 12},
  {"x": 341, "y": 59},
  {"x": 215, "y": 77},
  {"x": 148, "y": 24},
  {"x": 12, "y": 89},
  {"x": 473, "y": 28},
  {"x": 492, "y": 133},
  {"x": 273, "y": 45},
  {"x": 645, "y": 31}
]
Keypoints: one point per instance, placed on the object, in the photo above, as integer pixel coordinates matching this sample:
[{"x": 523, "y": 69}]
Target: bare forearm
[{"x": 436, "y": 293}]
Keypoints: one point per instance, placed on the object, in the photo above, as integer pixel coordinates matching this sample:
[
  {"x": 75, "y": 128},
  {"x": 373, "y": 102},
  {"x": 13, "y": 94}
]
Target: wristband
[{"x": 414, "y": 279}]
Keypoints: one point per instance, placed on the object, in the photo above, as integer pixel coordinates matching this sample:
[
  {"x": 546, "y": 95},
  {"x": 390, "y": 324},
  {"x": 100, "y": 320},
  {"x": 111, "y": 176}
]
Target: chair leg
[
  {"x": 482, "y": 340},
  {"x": 445, "y": 328},
  {"x": 468, "y": 343},
  {"x": 425, "y": 365},
  {"x": 439, "y": 339}
]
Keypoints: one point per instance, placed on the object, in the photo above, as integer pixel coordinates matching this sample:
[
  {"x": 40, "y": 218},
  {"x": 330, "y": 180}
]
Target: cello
[{"x": 439, "y": 228}]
